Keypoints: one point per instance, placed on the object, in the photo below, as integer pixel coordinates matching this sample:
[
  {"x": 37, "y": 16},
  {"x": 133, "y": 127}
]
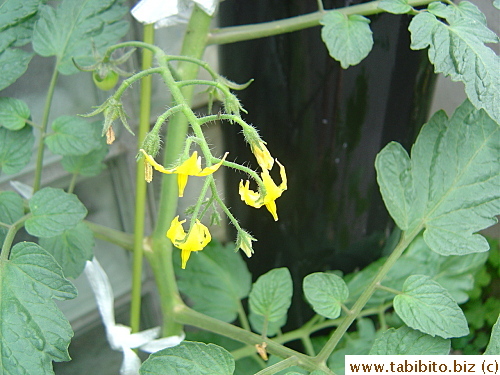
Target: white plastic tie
[
  {"x": 165, "y": 13},
  {"x": 119, "y": 336}
]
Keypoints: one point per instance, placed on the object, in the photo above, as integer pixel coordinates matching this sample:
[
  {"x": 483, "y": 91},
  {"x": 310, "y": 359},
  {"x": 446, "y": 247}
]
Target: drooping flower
[
  {"x": 195, "y": 240},
  {"x": 191, "y": 167},
  {"x": 244, "y": 242},
  {"x": 262, "y": 155},
  {"x": 272, "y": 192}
]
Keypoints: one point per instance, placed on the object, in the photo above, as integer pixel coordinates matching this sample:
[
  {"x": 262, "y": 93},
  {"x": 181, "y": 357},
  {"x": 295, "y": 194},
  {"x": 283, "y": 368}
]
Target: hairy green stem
[
  {"x": 9, "y": 237},
  {"x": 161, "y": 256},
  {"x": 356, "y": 309},
  {"x": 43, "y": 130},
  {"x": 140, "y": 184},
  {"x": 234, "y": 34}
]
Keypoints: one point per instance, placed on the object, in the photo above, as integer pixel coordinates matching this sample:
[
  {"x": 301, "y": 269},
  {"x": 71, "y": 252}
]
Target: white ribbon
[
  {"x": 169, "y": 12},
  {"x": 119, "y": 336}
]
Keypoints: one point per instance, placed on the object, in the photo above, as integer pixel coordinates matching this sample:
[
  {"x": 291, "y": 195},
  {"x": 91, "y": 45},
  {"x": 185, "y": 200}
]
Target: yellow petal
[
  {"x": 250, "y": 197},
  {"x": 182, "y": 180},
  {"x": 176, "y": 233},
  {"x": 155, "y": 165},
  {"x": 271, "y": 207},
  {"x": 185, "y": 254},
  {"x": 262, "y": 155},
  {"x": 213, "y": 168},
  {"x": 283, "y": 185},
  {"x": 191, "y": 166}
]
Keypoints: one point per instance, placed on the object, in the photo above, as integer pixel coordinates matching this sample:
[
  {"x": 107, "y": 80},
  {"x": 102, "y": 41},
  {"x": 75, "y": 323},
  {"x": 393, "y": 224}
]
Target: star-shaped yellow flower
[
  {"x": 195, "y": 240},
  {"x": 191, "y": 167},
  {"x": 273, "y": 192}
]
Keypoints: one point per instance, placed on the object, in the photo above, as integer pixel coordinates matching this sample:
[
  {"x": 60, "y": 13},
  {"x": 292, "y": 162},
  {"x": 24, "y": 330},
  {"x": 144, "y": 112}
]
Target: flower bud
[{"x": 244, "y": 242}]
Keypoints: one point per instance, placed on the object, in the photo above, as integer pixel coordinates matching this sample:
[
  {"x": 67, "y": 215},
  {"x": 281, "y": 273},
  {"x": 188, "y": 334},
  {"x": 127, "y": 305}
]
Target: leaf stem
[
  {"x": 140, "y": 183},
  {"x": 356, "y": 309},
  {"x": 277, "y": 367},
  {"x": 9, "y": 237},
  {"x": 234, "y": 34},
  {"x": 188, "y": 316},
  {"x": 43, "y": 130}
]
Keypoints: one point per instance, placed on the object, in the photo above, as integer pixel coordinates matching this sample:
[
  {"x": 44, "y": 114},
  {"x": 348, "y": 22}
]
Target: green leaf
[
  {"x": 16, "y": 27},
  {"x": 451, "y": 184},
  {"x": 428, "y": 307},
  {"x": 215, "y": 281},
  {"x": 74, "y": 136},
  {"x": 15, "y": 149},
  {"x": 34, "y": 332},
  {"x": 16, "y": 22},
  {"x": 325, "y": 292},
  {"x": 14, "y": 63},
  {"x": 406, "y": 341},
  {"x": 189, "y": 358},
  {"x": 13, "y": 113},
  {"x": 395, "y": 6},
  {"x": 496, "y": 4},
  {"x": 271, "y": 294},
  {"x": 494, "y": 344},
  {"x": 53, "y": 211},
  {"x": 273, "y": 328},
  {"x": 87, "y": 165},
  {"x": 11, "y": 210},
  {"x": 348, "y": 38},
  {"x": 457, "y": 49},
  {"x": 71, "y": 249},
  {"x": 69, "y": 30}
]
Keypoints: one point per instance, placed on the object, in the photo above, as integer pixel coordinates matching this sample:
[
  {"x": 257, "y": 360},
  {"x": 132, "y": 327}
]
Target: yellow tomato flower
[
  {"x": 195, "y": 240},
  {"x": 191, "y": 167},
  {"x": 273, "y": 192},
  {"x": 262, "y": 155}
]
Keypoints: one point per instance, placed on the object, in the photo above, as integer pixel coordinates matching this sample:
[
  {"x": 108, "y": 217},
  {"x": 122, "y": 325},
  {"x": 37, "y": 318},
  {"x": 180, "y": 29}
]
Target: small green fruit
[{"x": 106, "y": 83}]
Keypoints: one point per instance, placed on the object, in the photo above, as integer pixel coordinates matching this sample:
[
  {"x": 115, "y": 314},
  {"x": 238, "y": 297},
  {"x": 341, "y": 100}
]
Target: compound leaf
[
  {"x": 271, "y": 294},
  {"x": 15, "y": 148},
  {"x": 53, "y": 212},
  {"x": 215, "y": 281},
  {"x": 34, "y": 332},
  {"x": 451, "y": 184},
  {"x": 71, "y": 249},
  {"x": 189, "y": 358},
  {"x": 325, "y": 292},
  {"x": 406, "y": 341},
  {"x": 426, "y": 306},
  {"x": 348, "y": 38},
  {"x": 69, "y": 30},
  {"x": 457, "y": 49}
]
